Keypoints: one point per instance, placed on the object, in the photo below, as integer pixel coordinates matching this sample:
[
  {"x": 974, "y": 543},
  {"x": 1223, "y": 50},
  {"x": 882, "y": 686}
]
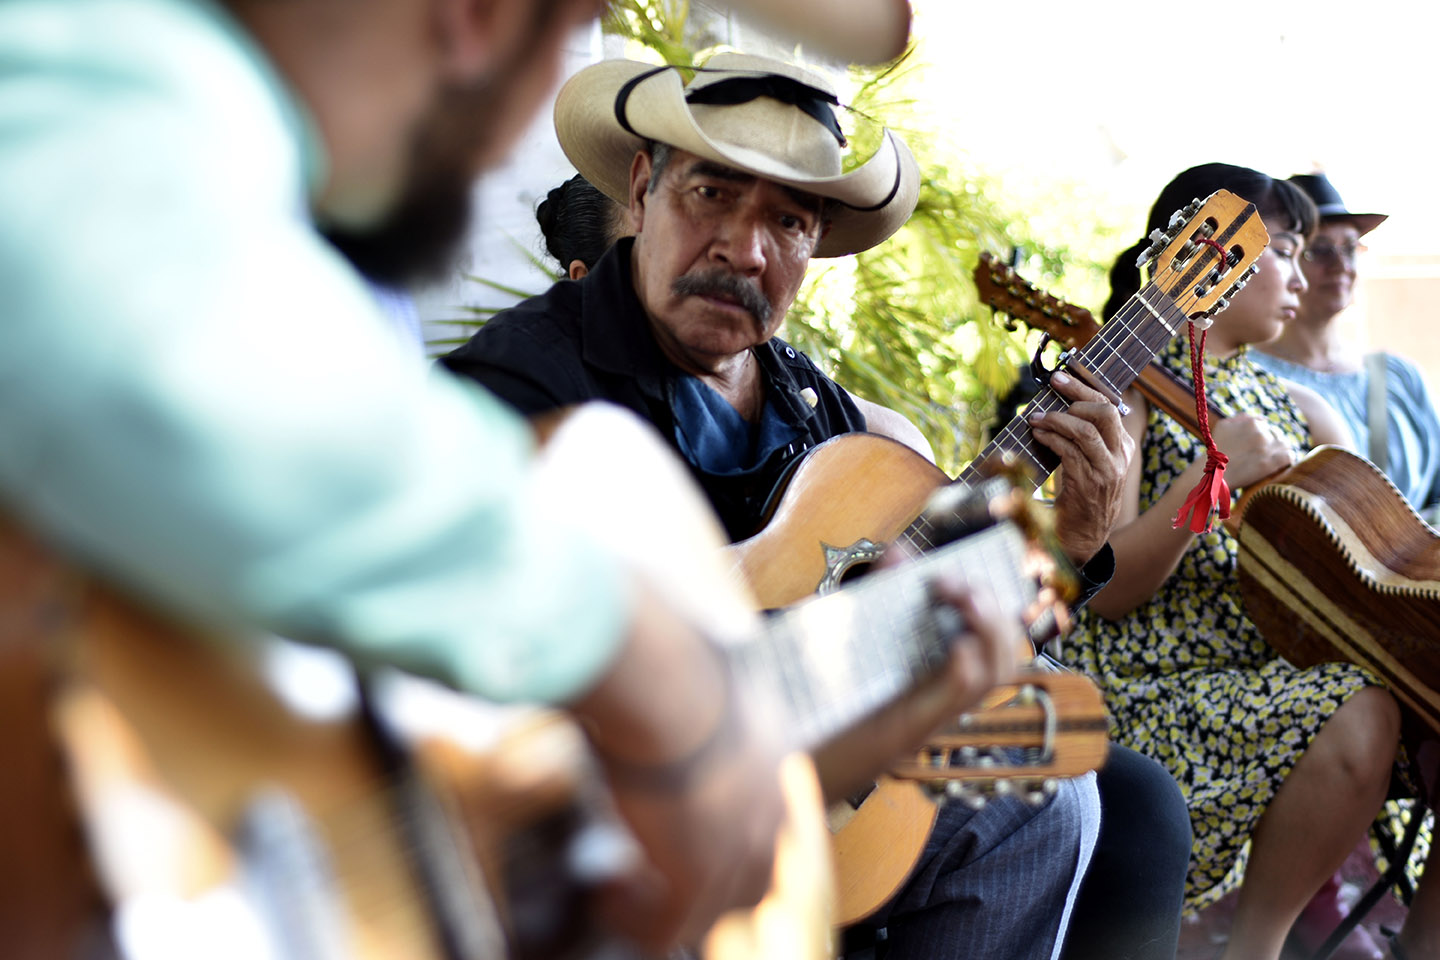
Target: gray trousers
[{"x": 995, "y": 884}]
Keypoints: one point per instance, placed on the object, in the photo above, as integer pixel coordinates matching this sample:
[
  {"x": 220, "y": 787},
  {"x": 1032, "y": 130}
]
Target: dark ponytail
[{"x": 1124, "y": 279}]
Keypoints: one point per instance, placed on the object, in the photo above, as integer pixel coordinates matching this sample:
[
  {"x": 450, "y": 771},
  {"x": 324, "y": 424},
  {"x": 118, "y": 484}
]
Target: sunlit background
[{"x": 1082, "y": 112}]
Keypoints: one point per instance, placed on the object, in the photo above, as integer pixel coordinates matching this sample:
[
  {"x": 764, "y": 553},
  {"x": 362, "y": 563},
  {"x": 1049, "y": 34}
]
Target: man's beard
[{"x": 419, "y": 239}]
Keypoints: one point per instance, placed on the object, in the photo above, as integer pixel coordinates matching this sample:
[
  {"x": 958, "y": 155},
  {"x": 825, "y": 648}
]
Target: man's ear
[
  {"x": 469, "y": 34},
  {"x": 639, "y": 187}
]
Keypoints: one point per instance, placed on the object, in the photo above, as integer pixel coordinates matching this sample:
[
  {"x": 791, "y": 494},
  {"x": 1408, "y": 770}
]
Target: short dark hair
[{"x": 660, "y": 154}]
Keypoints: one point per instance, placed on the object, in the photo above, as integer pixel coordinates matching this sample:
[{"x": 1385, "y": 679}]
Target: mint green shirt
[{"x": 201, "y": 400}]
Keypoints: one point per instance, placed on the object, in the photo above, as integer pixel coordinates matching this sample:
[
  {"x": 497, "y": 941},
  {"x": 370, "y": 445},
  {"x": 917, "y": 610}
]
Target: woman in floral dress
[{"x": 1283, "y": 770}]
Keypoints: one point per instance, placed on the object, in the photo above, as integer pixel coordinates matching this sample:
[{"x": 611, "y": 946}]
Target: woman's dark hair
[
  {"x": 1278, "y": 201},
  {"x": 578, "y": 222}
]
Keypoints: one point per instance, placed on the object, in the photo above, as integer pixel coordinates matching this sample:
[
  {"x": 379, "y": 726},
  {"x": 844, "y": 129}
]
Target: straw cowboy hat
[
  {"x": 1327, "y": 200},
  {"x": 760, "y": 116},
  {"x": 860, "y": 31}
]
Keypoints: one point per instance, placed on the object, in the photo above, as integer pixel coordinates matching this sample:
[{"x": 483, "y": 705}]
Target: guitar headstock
[
  {"x": 1024, "y": 736},
  {"x": 1185, "y": 264},
  {"x": 1005, "y": 291}
]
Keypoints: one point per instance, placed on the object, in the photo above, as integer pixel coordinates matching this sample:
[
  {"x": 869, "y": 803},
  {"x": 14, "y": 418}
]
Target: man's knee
[{"x": 1143, "y": 810}]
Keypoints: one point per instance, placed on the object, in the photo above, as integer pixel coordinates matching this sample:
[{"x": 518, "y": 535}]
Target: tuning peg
[
  {"x": 1221, "y": 304},
  {"x": 1003, "y": 788},
  {"x": 1158, "y": 240},
  {"x": 956, "y": 790}
]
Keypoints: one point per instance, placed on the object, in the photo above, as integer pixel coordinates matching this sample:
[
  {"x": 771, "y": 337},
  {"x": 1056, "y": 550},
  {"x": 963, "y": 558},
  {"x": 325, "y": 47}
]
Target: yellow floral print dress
[{"x": 1188, "y": 679}]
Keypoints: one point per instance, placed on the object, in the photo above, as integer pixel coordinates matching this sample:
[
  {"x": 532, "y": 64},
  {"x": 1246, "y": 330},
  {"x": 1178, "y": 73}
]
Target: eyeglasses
[{"x": 1325, "y": 252}]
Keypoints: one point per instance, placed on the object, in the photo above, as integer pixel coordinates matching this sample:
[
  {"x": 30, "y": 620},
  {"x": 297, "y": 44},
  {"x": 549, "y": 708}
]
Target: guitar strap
[{"x": 1375, "y": 409}]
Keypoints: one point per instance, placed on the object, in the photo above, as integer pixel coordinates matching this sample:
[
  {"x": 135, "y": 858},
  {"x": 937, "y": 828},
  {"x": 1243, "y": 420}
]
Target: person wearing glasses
[{"x": 1383, "y": 397}]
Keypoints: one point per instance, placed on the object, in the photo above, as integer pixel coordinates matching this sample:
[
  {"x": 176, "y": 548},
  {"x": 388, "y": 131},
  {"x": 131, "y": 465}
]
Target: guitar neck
[
  {"x": 837, "y": 658},
  {"x": 1113, "y": 360}
]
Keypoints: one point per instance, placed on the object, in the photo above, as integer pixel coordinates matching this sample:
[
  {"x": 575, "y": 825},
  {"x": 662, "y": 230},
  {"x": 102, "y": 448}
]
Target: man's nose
[{"x": 741, "y": 245}]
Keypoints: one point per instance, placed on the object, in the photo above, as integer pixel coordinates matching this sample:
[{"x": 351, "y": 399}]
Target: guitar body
[
  {"x": 843, "y": 502},
  {"x": 877, "y": 844},
  {"x": 178, "y": 751},
  {"x": 1336, "y": 565},
  {"x": 197, "y": 786},
  {"x": 1057, "y": 718},
  {"x": 170, "y": 742},
  {"x": 847, "y": 499}
]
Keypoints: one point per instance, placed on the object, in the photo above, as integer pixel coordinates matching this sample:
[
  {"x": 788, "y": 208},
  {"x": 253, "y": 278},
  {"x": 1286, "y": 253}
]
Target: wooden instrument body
[
  {"x": 177, "y": 747},
  {"x": 877, "y": 844},
  {"x": 848, "y": 497},
  {"x": 1336, "y": 565}
]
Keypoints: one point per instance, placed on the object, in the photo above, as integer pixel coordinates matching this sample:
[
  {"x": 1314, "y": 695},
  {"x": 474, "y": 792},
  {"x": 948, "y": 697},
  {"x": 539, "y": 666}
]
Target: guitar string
[
  {"x": 1125, "y": 328},
  {"x": 1014, "y": 437},
  {"x": 883, "y": 661}
]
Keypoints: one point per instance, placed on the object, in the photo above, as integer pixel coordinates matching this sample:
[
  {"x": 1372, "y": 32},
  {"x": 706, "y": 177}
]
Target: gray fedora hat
[
  {"x": 760, "y": 116},
  {"x": 1318, "y": 187}
]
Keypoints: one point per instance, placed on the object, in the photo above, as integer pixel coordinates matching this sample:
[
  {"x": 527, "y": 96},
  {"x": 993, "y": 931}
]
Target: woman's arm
[
  {"x": 1326, "y": 424},
  {"x": 1147, "y": 546}
]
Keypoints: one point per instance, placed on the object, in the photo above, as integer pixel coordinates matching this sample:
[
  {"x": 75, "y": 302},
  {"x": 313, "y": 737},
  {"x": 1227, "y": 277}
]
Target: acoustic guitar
[
  {"x": 848, "y": 497},
  {"x": 1334, "y": 563},
  {"x": 217, "y": 812},
  {"x": 1004, "y": 290}
]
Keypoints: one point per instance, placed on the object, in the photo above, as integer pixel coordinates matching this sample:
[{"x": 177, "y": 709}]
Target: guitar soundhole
[{"x": 843, "y": 564}]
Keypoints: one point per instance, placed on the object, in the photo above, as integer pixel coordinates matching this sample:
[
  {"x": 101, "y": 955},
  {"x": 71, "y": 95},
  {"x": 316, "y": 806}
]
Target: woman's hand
[{"x": 1255, "y": 447}]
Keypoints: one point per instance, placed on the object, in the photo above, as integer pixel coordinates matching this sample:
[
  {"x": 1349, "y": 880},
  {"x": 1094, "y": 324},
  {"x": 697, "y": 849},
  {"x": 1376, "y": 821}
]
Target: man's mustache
[{"x": 724, "y": 285}]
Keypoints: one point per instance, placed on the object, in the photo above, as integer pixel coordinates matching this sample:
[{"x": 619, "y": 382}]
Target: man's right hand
[{"x": 694, "y": 775}]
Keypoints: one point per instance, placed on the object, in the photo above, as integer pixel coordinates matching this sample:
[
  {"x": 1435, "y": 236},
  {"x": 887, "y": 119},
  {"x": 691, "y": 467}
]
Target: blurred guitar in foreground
[{"x": 220, "y": 816}]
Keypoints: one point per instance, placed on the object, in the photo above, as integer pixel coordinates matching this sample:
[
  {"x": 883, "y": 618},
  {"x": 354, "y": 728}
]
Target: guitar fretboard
[
  {"x": 833, "y": 660},
  {"x": 1123, "y": 347}
]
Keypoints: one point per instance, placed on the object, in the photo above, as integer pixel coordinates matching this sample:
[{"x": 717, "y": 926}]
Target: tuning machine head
[{"x": 1160, "y": 239}]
